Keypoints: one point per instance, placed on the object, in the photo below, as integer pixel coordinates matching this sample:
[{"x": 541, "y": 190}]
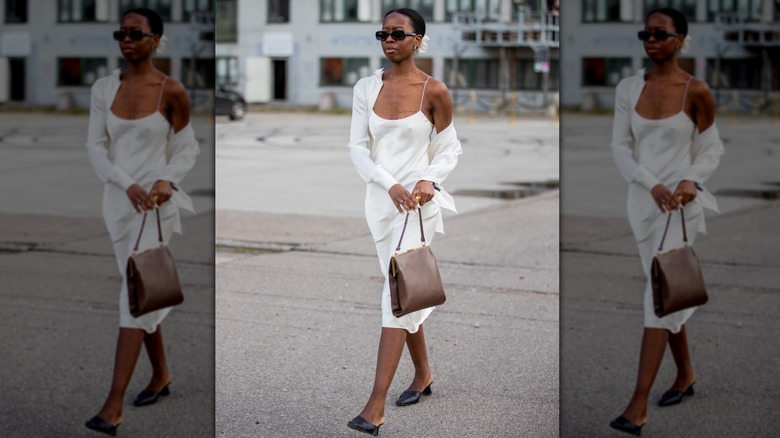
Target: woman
[
  {"x": 403, "y": 144},
  {"x": 666, "y": 145},
  {"x": 141, "y": 144}
]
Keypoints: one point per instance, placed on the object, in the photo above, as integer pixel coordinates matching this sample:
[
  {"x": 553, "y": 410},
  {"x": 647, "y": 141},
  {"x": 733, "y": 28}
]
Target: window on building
[
  {"x": 525, "y": 76},
  {"x": 424, "y": 7},
  {"x": 343, "y": 71},
  {"x": 80, "y": 72},
  {"x": 278, "y": 11},
  {"x": 744, "y": 73},
  {"x": 15, "y": 11},
  {"x": 777, "y": 10},
  {"x": 687, "y": 7},
  {"x": 162, "y": 7},
  {"x": 162, "y": 64},
  {"x": 190, "y": 7},
  {"x": 748, "y": 10},
  {"x": 202, "y": 76},
  {"x": 225, "y": 21},
  {"x": 227, "y": 71},
  {"x": 605, "y": 71},
  {"x": 489, "y": 10},
  {"x": 345, "y": 10},
  {"x": 472, "y": 73},
  {"x": 607, "y": 10},
  {"x": 76, "y": 11}
]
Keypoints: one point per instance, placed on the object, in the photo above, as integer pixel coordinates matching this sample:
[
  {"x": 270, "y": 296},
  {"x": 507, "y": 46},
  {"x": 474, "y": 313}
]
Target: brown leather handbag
[
  {"x": 152, "y": 281},
  {"x": 676, "y": 277},
  {"x": 415, "y": 283}
]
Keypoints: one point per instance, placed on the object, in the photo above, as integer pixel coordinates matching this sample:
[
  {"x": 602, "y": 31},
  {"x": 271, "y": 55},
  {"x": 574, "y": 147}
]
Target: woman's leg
[
  {"x": 653, "y": 346},
  {"x": 391, "y": 346},
  {"x": 128, "y": 347},
  {"x": 156, "y": 352},
  {"x": 423, "y": 377},
  {"x": 678, "y": 343}
]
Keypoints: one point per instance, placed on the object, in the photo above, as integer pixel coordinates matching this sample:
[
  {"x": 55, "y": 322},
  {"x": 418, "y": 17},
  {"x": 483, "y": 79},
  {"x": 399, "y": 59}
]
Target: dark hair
[
  {"x": 679, "y": 20},
  {"x": 154, "y": 19},
  {"x": 418, "y": 22}
]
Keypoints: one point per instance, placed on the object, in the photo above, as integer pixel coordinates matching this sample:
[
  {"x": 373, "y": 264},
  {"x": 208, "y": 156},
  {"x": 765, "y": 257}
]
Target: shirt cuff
[
  {"x": 644, "y": 177},
  {"x": 383, "y": 178},
  {"x": 431, "y": 178},
  {"x": 121, "y": 178}
]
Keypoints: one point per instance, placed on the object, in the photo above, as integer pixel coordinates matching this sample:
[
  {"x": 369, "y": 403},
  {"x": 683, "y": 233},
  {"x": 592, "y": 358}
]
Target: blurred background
[
  {"x": 735, "y": 50},
  {"x": 52, "y": 51},
  {"x": 58, "y": 272},
  {"x": 493, "y": 54}
]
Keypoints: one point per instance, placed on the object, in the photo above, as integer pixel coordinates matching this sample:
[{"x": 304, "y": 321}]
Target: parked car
[{"x": 230, "y": 103}]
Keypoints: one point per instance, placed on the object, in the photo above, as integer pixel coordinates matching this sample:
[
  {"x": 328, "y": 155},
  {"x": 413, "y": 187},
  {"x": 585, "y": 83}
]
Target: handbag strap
[
  {"x": 668, "y": 220},
  {"x": 141, "y": 231},
  {"x": 406, "y": 221}
]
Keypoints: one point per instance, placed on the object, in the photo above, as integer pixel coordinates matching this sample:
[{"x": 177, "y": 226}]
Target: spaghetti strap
[
  {"x": 423, "y": 93},
  {"x": 162, "y": 87},
  {"x": 685, "y": 93}
]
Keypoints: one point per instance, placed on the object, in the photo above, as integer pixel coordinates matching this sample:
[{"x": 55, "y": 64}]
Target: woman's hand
[
  {"x": 423, "y": 192},
  {"x": 685, "y": 191},
  {"x": 139, "y": 198},
  {"x": 402, "y": 199},
  {"x": 664, "y": 199},
  {"x": 161, "y": 192}
]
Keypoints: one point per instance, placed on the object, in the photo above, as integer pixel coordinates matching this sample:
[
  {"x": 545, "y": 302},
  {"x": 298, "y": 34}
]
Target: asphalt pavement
[
  {"x": 733, "y": 338},
  {"x": 298, "y": 285},
  {"x": 59, "y": 284}
]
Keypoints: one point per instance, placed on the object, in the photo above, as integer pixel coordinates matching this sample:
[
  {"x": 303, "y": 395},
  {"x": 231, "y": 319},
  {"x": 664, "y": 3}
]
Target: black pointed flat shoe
[
  {"x": 362, "y": 425},
  {"x": 411, "y": 397},
  {"x": 146, "y": 398},
  {"x": 671, "y": 398},
  {"x": 623, "y": 424},
  {"x": 100, "y": 425}
]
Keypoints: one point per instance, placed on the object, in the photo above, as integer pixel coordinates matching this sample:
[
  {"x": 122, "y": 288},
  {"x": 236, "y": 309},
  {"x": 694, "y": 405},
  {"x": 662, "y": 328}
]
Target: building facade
[
  {"x": 735, "y": 48},
  {"x": 51, "y": 51},
  {"x": 306, "y": 52}
]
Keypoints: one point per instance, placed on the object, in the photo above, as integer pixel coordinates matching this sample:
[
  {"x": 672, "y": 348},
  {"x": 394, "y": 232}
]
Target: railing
[
  {"x": 737, "y": 30},
  {"x": 528, "y": 30}
]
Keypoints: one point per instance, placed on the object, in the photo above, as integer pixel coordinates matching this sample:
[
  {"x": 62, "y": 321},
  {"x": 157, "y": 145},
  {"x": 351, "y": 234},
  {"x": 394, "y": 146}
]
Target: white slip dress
[
  {"x": 401, "y": 147},
  {"x": 663, "y": 147},
  {"x": 139, "y": 146}
]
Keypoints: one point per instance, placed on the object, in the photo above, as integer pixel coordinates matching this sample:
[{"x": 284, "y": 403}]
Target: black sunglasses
[
  {"x": 135, "y": 35},
  {"x": 658, "y": 35},
  {"x": 397, "y": 35}
]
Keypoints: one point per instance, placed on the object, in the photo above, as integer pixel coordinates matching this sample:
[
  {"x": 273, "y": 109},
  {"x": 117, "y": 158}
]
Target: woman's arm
[
  {"x": 623, "y": 152},
  {"x": 182, "y": 146},
  {"x": 359, "y": 151},
  {"x": 622, "y": 141},
  {"x": 359, "y": 140},
  {"x": 97, "y": 150},
  {"x": 444, "y": 148},
  {"x": 98, "y": 141},
  {"x": 707, "y": 147}
]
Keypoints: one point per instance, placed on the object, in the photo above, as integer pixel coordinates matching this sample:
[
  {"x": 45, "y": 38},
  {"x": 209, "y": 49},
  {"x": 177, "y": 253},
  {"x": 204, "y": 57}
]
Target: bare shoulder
[
  {"x": 175, "y": 91},
  {"x": 699, "y": 90},
  {"x": 437, "y": 91},
  {"x": 703, "y": 104}
]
